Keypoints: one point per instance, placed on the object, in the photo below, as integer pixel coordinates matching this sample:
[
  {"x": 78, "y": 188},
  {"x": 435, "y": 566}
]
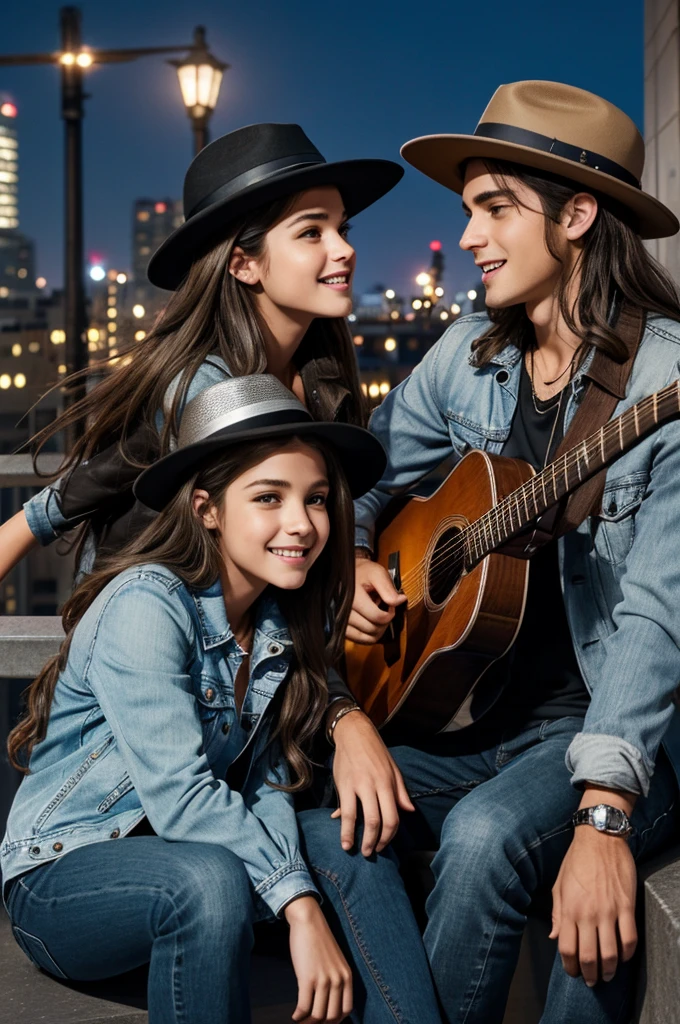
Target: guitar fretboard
[{"x": 525, "y": 504}]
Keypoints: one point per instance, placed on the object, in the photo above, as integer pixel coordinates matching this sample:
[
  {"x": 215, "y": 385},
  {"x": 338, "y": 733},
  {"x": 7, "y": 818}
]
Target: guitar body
[{"x": 428, "y": 671}]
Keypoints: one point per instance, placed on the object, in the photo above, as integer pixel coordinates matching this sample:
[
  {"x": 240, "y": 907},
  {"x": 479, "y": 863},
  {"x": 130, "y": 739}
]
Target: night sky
[{"x": 361, "y": 77}]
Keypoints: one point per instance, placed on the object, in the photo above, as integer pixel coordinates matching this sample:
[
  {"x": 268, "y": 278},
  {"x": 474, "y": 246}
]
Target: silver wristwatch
[{"x": 605, "y": 818}]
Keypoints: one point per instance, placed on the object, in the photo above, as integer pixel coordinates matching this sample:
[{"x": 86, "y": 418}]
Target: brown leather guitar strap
[{"x": 606, "y": 387}]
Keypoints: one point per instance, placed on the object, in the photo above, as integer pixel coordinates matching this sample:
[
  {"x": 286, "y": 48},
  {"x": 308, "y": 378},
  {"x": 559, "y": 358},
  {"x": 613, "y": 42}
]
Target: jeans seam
[
  {"x": 368, "y": 960},
  {"x": 470, "y": 785},
  {"x": 513, "y": 864}
]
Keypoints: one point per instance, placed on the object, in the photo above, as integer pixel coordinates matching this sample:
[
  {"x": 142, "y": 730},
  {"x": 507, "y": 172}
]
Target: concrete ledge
[
  {"x": 17, "y": 470},
  {"x": 659, "y": 996},
  {"x": 26, "y": 642}
]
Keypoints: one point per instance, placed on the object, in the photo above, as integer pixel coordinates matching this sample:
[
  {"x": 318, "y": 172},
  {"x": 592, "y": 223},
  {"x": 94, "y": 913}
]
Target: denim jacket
[
  {"x": 144, "y": 724},
  {"x": 620, "y": 570}
]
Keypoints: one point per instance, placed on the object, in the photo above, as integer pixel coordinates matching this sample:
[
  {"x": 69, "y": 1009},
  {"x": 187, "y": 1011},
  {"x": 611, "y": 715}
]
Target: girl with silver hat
[
  {"x": 260, "y": 278},
  {"x": 162, "y": 746},
  {"x": 581, "y": 324}
]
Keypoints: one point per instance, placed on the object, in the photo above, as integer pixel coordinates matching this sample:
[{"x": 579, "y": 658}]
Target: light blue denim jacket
[
  {"x": 620, "y": 571},
  {"x": 143, "y": 724}
]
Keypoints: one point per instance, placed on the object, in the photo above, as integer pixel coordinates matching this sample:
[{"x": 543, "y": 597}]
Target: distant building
[
  {"x": 153, "y": 220},
  {"x": 17, "y": 255}
]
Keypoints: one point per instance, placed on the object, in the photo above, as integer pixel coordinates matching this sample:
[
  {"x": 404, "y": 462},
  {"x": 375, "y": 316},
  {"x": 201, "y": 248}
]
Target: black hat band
[
  {"x": 254, "y": 177},
  {"x": 534, "y": 140}
]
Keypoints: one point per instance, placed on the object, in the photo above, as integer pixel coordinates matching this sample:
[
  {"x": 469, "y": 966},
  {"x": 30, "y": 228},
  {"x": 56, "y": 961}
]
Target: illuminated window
[
  {"x": 19, "y": 380},
  {"x": 5, "y": 381},
  {"x": 143, "y": 215},
  {"x": 140, "y": 335},
  {"x": 34, "y": 346},
  {"x": 16, "y": 349},
  {"x": 22, "y": 273}
]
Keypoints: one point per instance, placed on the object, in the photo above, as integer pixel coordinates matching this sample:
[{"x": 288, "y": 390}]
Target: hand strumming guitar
[{"x": 368, "y": 621}]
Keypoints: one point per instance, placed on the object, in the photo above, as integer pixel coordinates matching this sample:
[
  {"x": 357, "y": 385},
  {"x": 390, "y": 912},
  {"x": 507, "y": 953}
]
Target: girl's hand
[{"x": 323, "y": 976}]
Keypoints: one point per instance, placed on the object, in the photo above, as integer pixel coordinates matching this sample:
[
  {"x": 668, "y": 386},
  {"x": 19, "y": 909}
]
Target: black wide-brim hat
[
  {"x": 254, "y": 408},
  {"x": 249, "y": 168},
  {"x": 553, "y": 127}
]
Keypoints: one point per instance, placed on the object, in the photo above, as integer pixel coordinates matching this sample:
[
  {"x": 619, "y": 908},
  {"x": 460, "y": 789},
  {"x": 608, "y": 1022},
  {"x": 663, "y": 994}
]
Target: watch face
[{"x": 601, "y": 817}]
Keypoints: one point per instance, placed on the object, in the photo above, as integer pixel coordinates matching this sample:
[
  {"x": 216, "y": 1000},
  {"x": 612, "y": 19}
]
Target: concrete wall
[{"x": 662, "y": 118}]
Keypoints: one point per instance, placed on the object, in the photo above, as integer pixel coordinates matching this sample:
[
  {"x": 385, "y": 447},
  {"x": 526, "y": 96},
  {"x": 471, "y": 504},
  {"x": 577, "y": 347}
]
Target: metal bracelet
[{"x": 341, "y": 714}]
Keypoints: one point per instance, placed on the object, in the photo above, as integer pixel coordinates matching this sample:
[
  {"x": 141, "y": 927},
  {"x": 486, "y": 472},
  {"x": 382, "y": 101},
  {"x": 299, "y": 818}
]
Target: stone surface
[
  {"x": 17, "y": 470},
  {"x": 660, "y": 981},
  {"x": 30, "y": 997},
  {"x": 26, "y": 642}
]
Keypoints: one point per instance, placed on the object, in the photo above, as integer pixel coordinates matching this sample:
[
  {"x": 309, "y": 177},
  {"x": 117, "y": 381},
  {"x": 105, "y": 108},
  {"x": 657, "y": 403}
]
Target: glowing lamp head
[
  {"x": 97, "y": 273},
  {"x": 8, "y": 110}
]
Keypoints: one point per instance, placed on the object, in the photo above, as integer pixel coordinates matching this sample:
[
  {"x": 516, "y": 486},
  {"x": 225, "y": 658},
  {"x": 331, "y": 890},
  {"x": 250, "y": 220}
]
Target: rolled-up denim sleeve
[
  {"x": 137, "y": 671},
  {"x": 412, "y": 426},
  {"x": 44, "y": 516},
  {"x": 632, "y": 700}
]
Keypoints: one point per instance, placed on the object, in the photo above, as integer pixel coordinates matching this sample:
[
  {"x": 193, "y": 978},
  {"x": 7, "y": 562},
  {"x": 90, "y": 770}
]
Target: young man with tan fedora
[{"x": 571, "y": 777}]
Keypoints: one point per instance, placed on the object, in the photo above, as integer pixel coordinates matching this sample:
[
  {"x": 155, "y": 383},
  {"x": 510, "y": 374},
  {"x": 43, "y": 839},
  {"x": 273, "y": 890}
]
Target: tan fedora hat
[{"x": 558, "y": 128}]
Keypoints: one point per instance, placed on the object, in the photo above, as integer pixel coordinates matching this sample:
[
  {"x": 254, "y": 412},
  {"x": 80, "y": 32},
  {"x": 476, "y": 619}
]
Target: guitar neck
[{"x": 523, "y": 506}]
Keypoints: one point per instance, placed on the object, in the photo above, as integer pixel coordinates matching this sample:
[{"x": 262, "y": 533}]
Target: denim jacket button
[
  {"x": 502, "y": 377},
  {"x": 611, "y": 509},
  {"x": 57, "y": 847},
  {"x": 35, "y": 850},
  {"x": 210, "y": 693},
  {"x": 225, "y": 728},
  {"x": 115, "y": 833},
  {"x": 274, "y": 648}
]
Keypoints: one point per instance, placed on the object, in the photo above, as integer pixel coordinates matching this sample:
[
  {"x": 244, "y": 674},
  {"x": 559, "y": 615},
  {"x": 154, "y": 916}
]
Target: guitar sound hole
[{"x": 446, "y": 566}]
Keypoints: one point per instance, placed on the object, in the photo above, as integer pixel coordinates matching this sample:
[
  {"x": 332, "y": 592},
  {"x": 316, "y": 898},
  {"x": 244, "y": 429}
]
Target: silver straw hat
[{"x": 250, "y": 408}]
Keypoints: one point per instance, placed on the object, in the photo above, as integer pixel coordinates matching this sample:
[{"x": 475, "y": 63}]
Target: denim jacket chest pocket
[
  {"x": 216, "y": 708},
  {"x": 466, "y": 435},
  {"x": 614, "y": 527}
]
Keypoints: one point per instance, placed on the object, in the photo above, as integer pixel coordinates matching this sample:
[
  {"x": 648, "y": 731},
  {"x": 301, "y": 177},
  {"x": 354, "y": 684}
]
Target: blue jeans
[
  {"x": 186, "y": 909},
  {"x": 502, "y": 821}
]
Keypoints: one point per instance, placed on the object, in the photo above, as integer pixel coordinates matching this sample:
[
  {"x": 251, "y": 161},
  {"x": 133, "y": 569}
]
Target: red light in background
[
  {"x": 160, "y": 207},
  {"x": 8, "y": 110},
  {"x": 435, "y": 246}
]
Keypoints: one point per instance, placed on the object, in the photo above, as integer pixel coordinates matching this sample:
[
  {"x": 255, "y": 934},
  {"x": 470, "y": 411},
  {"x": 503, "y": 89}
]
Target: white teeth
[
  {"x": 340, "y": 279},
  {"x": 288, "y": 552},
  {"x": 487, "y": 267}
]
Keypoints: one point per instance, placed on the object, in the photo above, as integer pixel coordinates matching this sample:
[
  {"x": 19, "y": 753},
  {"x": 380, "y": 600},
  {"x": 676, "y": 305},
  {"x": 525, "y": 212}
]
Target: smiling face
[
  {"x": 272, "y": 521},
  {"x": 307, "y": 265},
  {"x": 507, "y": 240}
]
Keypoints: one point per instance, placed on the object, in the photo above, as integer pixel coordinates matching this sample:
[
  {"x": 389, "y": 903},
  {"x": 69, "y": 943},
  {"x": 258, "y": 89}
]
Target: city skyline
[{"x": 359, "y": 88}]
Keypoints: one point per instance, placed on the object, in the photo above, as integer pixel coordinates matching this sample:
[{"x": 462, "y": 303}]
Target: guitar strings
[
  {"x": 503, "y": 509},
  {"x": 473, "y": 531}
]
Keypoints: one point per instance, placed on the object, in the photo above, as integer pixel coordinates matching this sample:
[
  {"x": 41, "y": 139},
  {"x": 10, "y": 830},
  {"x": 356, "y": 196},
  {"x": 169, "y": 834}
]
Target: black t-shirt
[{"x": 542, "y": 677}]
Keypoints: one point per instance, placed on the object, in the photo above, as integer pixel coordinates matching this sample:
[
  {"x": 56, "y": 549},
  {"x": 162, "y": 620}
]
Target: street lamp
[
  {"x": 74, "y": 59},
  {"x": 200, "y": 76}
]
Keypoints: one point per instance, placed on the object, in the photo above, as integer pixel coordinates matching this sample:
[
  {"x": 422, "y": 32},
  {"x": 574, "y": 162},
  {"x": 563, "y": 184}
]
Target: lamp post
[
  {"x": 200, "y": 76},
  {"x": 74, "y": 59}
]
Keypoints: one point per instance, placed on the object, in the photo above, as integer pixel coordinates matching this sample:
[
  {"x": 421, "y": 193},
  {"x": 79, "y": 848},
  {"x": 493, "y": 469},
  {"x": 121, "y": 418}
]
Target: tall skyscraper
[
  {"x": 9, "y": 168},
  {"x": 17, "y": 256},
  {"x": 153, "y": 220}
]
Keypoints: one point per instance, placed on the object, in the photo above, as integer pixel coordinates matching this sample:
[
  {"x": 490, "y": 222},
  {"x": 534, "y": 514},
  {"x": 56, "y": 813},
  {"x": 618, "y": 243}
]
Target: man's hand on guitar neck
[{"x": 368, "y": 620}]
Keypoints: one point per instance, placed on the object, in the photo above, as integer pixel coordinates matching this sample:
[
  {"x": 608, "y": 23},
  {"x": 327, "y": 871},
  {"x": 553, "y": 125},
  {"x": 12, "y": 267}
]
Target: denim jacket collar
[{"x": 270, "y": 625}]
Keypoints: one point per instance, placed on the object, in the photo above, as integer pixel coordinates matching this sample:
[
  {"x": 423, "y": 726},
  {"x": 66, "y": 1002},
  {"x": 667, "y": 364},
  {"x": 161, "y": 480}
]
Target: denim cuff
[
  {"x": 287, "y": 883},
  {"x": 44, "y": 517},
  {"x": 608, "y": 761},
  {"x": 363, "y": 537}
]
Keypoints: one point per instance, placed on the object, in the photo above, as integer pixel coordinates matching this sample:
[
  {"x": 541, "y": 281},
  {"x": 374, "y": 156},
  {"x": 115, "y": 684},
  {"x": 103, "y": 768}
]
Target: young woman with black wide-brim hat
[{"x": 259, "y": 278}]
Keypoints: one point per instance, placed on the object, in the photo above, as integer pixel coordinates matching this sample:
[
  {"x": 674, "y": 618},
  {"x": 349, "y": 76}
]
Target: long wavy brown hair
[
  {"x": 316, "y": 613},
  {"x": 613, "y": 265},
  {"x": 212, "y": 312}
]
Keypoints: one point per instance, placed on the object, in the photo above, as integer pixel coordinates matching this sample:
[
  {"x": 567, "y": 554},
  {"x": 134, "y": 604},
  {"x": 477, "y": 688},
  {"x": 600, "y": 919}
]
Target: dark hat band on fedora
[
  {"x": 524, "y": 137},
  {"x": 254, "y": 177},
  {"x": 256, "y": 407}
]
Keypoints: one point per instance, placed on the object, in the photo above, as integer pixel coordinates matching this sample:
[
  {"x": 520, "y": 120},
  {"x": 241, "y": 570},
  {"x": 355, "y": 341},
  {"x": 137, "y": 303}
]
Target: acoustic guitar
[{"x": 465, "y": 597}]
